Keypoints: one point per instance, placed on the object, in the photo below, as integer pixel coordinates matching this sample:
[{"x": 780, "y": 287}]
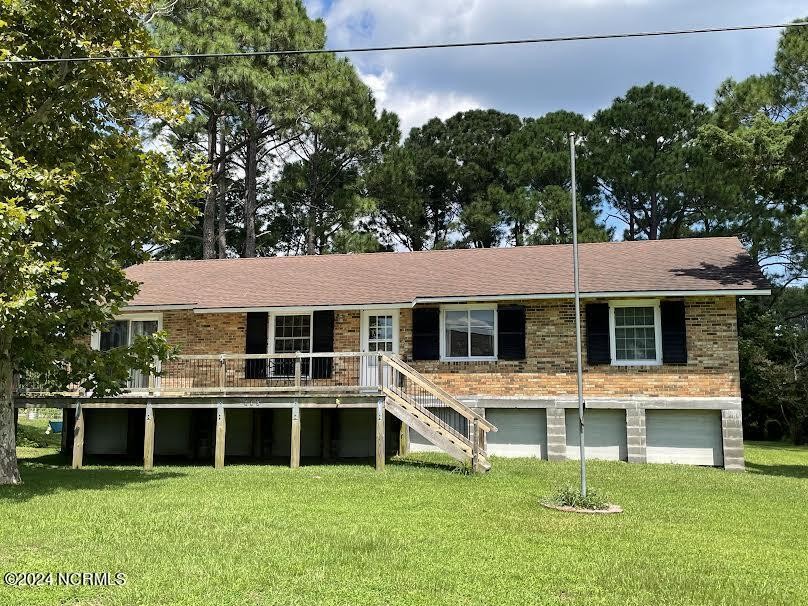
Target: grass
[{"x": 416, "y": 534}]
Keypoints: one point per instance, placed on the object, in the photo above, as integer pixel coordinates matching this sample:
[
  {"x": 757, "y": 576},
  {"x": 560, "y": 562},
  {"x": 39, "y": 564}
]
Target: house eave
[
  {"x": 166, "y": 307},
  {"x": 288, "y": 309},
  {"x": 599, "y": 295}
]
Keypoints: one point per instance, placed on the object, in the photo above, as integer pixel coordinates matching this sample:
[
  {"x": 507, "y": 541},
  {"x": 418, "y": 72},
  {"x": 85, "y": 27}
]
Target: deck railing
[
  {"x": 238, "y": 373},
  {"x": 441, "y": 407}
]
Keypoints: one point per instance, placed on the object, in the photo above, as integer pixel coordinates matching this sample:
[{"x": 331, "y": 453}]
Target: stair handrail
[{"x": 443, "y": 396}]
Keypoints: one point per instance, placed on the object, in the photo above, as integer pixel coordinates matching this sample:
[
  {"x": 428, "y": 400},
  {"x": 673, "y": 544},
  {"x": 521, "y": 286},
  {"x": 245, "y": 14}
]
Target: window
[
  {"x": 469, "y": 332},
  {"x": 122, "y": 333},
  {"x": 635, "y": 334},
  {"x": 291, "y": 334},
  {"x": 380, "y": 333}
]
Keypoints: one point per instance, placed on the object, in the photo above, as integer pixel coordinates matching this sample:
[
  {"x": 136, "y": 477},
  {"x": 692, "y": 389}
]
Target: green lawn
[{"x": 415, "y": 534}]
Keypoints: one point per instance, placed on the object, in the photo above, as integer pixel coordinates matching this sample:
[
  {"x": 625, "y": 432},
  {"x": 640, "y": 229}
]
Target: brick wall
[
  {"x": 549, "y": 369},
  {"x": 346, "y": 330},
  {"x": 199, "y": 334}
]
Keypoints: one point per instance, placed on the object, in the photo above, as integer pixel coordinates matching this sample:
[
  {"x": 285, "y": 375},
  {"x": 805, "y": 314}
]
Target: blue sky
[{"x": 532, "y": 80}]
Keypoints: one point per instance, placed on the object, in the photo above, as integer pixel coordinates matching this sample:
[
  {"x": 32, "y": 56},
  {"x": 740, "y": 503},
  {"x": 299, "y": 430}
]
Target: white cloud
[
  {"x": 413, "y": 107},
  {"x": 531, "y": 80}
]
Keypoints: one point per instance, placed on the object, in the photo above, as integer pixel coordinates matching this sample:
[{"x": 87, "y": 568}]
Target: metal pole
[{"x": 581, "y": 406}]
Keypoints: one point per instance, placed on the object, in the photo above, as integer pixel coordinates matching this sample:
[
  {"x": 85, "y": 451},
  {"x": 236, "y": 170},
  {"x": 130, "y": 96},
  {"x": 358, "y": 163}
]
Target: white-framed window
[
  {"x": 122, "y": 333},
  {"x": 635, "y": 329},
  {"x": 123, "y": 330},
  {"x": 468, "y": 332},
  {"x": 290, "y": 333}
]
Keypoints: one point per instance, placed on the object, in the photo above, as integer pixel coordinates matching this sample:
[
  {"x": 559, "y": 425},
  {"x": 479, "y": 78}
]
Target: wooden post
[
  {"x": 221, "y": 428},
  {"x": 404, "y": 440},
  {"x": 148, "y": 438},
  {"x": 78, "y": 437},
  {"x": 222, "y": 373},
  {"x": 298, "y": 370},
  {"x": 475, "y": 447},
  {"x": 294, "y": 459},
  {"x": 151, "y": 383},
  {"x": 380, "y": 435}
]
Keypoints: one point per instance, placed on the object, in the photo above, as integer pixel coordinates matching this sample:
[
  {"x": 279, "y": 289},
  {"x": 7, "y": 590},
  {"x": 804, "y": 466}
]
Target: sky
[{"x": 533, "y": 80}]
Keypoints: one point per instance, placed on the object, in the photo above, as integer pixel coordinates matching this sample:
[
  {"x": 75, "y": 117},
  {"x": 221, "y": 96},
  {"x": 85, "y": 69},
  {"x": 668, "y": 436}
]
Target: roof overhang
[{"x": 459, "y": 299}]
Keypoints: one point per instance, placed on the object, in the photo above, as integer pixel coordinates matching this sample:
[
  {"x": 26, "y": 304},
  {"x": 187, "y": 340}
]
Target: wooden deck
[{"x": 281, "y": 381}]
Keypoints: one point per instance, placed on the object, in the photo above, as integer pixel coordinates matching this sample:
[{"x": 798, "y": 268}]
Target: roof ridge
[{"x": 444, "y": 250}]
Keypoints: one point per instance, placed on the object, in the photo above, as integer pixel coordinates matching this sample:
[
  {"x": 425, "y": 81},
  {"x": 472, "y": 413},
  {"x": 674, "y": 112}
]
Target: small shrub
[{"x": 572, "y": 497}]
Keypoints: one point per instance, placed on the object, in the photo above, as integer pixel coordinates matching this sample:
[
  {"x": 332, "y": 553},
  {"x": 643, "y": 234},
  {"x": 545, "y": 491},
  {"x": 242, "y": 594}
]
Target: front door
[{"x": 379, "y": 333}]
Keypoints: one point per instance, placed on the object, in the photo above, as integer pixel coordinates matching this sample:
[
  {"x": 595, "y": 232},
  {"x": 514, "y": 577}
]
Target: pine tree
[{"x": 238, "y": 105}]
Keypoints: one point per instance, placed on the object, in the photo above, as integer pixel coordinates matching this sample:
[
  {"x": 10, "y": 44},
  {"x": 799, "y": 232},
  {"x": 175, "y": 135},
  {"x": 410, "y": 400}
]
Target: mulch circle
[{"x": 610, "y": 509}]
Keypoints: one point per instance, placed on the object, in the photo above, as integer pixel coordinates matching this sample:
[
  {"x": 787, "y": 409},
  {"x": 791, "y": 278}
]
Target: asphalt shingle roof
[{"x": 696, "y": 264}]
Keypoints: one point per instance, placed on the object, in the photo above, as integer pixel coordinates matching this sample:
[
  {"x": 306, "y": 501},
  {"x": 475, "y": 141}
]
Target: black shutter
[
  {"x": 257, "y": 324},
  {"x": 426, "y": 333},
  {"x": 674, "y": 332},
  {"x": 322, "y": 341},
  {"x": 511, "y": 332},
  {"x": 598, "y": 350}
]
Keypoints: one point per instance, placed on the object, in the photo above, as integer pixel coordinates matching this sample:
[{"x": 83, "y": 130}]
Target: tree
[
  {"x": 401, "y": 214},
  {"x": 651, "y": 172},
  {"x": 760, "y": 138},
  {"x": 537, "y": 204},
  {"x": 339, "y": 137},
  {"x": 246, "y": 106},
  {"x": 80, "y": 199},
  {"x": 774, "y": 364},
  {"x": 453, "y": 163}
]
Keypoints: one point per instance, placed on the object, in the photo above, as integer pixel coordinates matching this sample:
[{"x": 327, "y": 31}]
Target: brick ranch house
[{"x": 467, "y": 351}]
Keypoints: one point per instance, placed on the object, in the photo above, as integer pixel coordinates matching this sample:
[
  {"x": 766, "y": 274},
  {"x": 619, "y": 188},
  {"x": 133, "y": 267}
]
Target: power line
[{"x": 377, "y": 49}]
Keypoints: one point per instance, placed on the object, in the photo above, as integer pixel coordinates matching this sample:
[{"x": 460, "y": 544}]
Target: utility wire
[{"x": 377, "y": 49}]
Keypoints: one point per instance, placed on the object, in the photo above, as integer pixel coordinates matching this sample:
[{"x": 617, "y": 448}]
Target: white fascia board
[
  {"x": 298, "y": 308},
  {"x": 147, "y": 308},
  {"x": 459, "y": 299},
  {"x": 598, "y": 295}
]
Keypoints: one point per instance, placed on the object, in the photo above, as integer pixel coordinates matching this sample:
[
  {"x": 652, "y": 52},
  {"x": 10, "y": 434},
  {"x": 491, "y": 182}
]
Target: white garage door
[
  {"x": 520, "y": 432},
  {"x": 604, "y": 434},
  {"x": 684, "y": 436}
]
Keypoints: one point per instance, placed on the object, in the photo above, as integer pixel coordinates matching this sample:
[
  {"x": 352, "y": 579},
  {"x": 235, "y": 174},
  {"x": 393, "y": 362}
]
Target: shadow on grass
[
  {"x": 791, "y": 471},
  {"x": 51, "y": 473},
  {"x": 427, "y": 464}
]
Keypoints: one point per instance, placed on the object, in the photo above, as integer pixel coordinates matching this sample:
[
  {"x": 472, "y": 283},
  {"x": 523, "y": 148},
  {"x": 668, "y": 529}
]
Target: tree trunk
[
  {"x": 653, "y": 228},
  {"x": 9, "y": 473},
  {"x": 311, "y": 232},
  {"x": 250, "y": 183},
  {"x": 222, "y": 191},
  {"x": 209, "y": 213},
  {"x": 632, "y": 234}
]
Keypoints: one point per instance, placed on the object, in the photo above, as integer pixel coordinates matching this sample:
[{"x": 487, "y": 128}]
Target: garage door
[
  {"x": 604, "y": 434},
  {"x": 520, "y": 432},
  {"x": 684, "y": 436}
]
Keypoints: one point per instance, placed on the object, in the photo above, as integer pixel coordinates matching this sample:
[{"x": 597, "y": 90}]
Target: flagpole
[{"x": 581, "y": 406}]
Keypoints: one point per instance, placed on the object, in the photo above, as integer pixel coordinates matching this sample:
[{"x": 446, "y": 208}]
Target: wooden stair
[{"x": 409, "y": 396}]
